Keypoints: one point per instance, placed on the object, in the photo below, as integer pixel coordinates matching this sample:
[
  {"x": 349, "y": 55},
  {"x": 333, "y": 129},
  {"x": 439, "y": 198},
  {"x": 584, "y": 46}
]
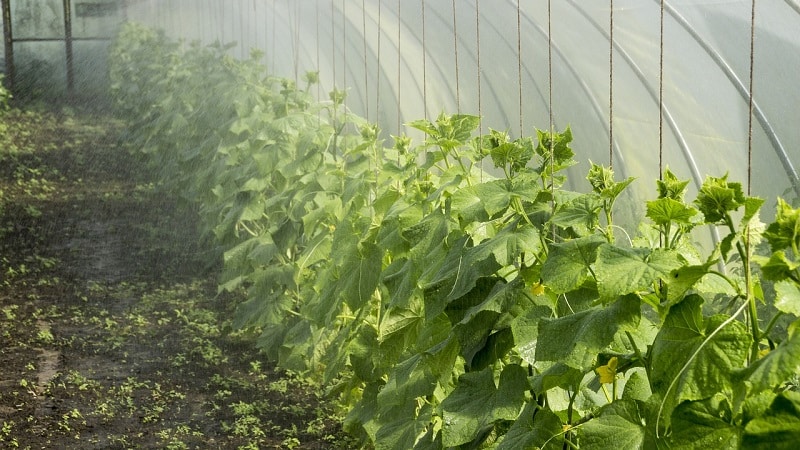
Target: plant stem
[
  {"x": 752, "y": 311},
  {"x": 772, "y": 323}
]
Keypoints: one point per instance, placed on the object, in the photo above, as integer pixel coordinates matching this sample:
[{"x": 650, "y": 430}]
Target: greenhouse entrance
[{"x": 58, "y": 47}]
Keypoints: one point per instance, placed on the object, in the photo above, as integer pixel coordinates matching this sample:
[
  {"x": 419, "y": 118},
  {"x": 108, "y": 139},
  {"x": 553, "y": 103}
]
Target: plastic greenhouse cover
[{"x": 400, "y": 65}]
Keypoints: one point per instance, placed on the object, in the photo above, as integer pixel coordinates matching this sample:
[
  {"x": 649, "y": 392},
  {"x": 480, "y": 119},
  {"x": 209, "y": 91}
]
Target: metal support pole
[{"x": 9, "y": 45}]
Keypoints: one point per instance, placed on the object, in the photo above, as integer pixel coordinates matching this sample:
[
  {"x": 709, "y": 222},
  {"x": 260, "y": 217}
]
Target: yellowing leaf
[{"x": 608, "y": 372}]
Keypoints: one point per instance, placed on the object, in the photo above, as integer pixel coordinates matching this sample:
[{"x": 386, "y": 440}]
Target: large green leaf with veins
[
  {"x": 618, "y": 425},
  {"x": 777, "y": 367},
  {"x": 704, "y": 424},
  {"x": 693, "y": 357},
  {"x": 535, "y": 428},
  {"x": 477, "y": 403},
  {"x": 576, "y": 339},
  {"x": 568, "y": 265},
  {"x": 621, "y": 271},
  {"x": 778, "y": 428}
]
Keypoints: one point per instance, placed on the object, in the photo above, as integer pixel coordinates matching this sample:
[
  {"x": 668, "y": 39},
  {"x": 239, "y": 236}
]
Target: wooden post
[
  {"x": 68, "y": 46},
  {"x": 9, "y": 45}
]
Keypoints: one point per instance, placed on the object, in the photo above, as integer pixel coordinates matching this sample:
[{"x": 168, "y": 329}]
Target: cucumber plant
[{"x": 449, "y": 308}]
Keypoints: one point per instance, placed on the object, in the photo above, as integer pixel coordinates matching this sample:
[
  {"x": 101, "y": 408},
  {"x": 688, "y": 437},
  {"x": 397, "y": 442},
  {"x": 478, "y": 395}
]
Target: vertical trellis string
[
  {"x": 550, "y": 107},
  {"x": 661, "y": 95},
  {"x": 519, "y": 67},
  {"x": 478, "y": 53},
  {"x": 296, "y": 42},
  {"x": 366, "y": 77},
  {"x": 424, "y": 66},
  {"x": 750, "y": 97},
  {"x": 274, "y": 15},
  {"x": 344, "y": 57},
  {"x": 455, "y": 51},
  {"x": 399, "y": 96},
  {"x": 478, "y": 56},
  {"x": 333, "y": 43},
  {"x": 319, "y": 83},
  {"x": 241, "y": 32},
  {"x": 378, "y": 69},
  {"x": 611, "y": 85}
]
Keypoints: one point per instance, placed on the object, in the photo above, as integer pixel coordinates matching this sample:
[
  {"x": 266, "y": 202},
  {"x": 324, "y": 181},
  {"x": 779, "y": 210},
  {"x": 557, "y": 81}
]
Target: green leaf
[
  {"x": 576, "y": 339},
  {"x": 621, "y": 271},
  {"x": 556, "y": 144},
  {"x": 637, "y": 387},
  {"x": 361, "y": 273},
  {"x": 701, "y": 425},
  {"x": 787, "y": 297},
  {"x": 681, "y": 280},
  {"x": 692, "y": 365},
  {"x": 617, "y": 425},
  {"x": 581, "y": 213},
  {"x": 777, "y": 367},
  {"x": 462, "y": 126},
  {"x": 568, "y": 264},
  {"x": 526, "y": 331},
  {"x": 535, "y": 428},
  {"x": 602, "y": 181},
  {"x": 461, "y": 269},
  {"x": 778, "y": 267},
  {"x": 667, "y": 210},
  {"x": 402, "y": 426},
  {"x": 417, "y": 375},
  {"x": 556, "y": 375},
  {"x": 477, "y": 403},
  {"x": 399, "y": 320},
  {"x": 669, "y": 186},
  {"x": 515, "y": 154},
  {"x": 778, "y": 428},
  {"x": 785, "y": 231},
  {"x": 480, "y": 202},
  {"x": 718, "y": 197}
]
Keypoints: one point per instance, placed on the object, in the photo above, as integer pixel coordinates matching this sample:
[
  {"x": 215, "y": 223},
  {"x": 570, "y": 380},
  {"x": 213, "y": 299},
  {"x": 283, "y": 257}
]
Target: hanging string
[
  {"x": 274, "y": 14},
  {"x": 611, "y": 85},
  {"x": 750, "y": 98},
  {"x": 296, "y": 43},
  {"x": 333, "y": 43},
  {"x": 399, "y": 93},
  {"x": 478, "y": 56},
  {"x": 519, "y": 67},
  {"x": 550, "y": 77},
  {"x": 319, "y": 84},
  {"x": 241, "y": 33},
  {"x": 378, "y": 69},
  {"x": 344, "y": 56},
  {"x": 478, "y": 35},
  {"x": 455, "y": 50},
  {"x": 424, "y": 66},
  {"x": 661, "y": 95},
  {"x": 366, "y": 77},
  {"x": 550, "y": 107}
]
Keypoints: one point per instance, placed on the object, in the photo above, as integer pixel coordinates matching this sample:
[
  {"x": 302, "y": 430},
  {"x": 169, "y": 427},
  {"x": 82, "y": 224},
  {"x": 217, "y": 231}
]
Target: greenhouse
[{"x": 506, "y": 224}]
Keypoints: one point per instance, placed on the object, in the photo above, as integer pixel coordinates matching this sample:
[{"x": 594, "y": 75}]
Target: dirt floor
[{"x": 112, "y": 334}]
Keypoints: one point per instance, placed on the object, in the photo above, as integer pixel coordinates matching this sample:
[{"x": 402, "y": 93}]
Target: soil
[{"x": 112, "y": 333}]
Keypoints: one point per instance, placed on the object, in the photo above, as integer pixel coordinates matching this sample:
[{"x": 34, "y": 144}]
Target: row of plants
[{"x": 446, "y": 307}]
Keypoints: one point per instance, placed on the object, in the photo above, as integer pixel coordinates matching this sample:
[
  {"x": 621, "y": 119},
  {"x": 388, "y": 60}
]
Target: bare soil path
[{"x": 111, "y": 331}]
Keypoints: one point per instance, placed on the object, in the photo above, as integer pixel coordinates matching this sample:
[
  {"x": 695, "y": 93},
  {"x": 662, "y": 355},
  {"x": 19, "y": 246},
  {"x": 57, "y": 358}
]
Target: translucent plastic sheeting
[{"x": 490, "y": 58}]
